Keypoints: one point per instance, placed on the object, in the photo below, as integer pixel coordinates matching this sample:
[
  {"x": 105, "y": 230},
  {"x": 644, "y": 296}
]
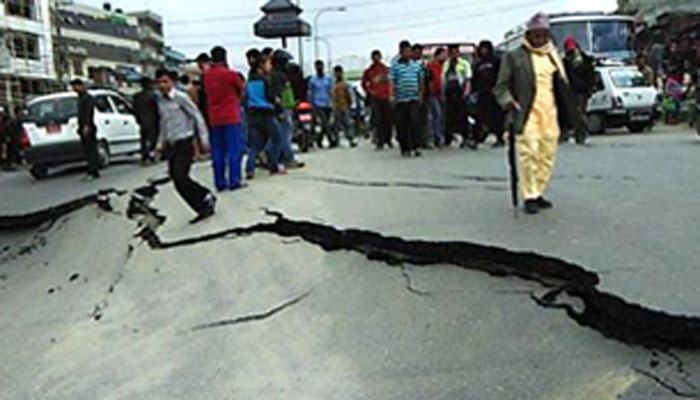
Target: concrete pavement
[{"x": 361, "y": 329}]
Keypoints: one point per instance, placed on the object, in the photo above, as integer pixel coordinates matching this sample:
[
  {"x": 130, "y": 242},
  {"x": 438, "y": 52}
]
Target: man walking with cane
[{"x": 533, "y": 87}]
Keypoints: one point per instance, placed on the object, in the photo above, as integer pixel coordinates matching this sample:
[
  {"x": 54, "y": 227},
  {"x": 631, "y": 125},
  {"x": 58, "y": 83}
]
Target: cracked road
[{"x": 88, "y": 309}]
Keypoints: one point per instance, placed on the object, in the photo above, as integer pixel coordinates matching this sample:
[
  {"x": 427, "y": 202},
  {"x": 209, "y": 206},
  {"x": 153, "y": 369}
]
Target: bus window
[
  {"x": 612, "y": 37},
  {"x": 562, "y": 30}
]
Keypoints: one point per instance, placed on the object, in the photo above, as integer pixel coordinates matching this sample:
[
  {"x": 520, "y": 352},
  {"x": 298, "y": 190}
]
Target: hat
[
  {"x": 570, "y": 43},
  {"x": 538, "y": 21}
]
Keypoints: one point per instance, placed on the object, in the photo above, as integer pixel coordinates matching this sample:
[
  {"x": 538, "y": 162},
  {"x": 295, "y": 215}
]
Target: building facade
[
  {"x": 100, "y": 45},
  {"x": 152, "y": 42},
  {"x": 27, "y": 67}
]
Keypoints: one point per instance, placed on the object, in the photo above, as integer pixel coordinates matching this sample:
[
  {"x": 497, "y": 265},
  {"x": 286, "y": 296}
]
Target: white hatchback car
[
  {"x": 51, "y": 138},
  {"x": 622, "y": 98}
]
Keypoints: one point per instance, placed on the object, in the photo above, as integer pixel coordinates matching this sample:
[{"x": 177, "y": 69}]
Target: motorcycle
[{"x": 303, "y": 120}]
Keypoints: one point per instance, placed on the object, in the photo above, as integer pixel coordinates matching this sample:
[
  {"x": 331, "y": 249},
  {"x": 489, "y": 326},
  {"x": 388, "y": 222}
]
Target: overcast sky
[{"x": 195, "y": 26}]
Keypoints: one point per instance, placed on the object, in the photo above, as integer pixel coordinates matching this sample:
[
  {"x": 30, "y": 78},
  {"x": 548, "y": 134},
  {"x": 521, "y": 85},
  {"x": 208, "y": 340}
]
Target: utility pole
[{"x": 300, "y": 49}]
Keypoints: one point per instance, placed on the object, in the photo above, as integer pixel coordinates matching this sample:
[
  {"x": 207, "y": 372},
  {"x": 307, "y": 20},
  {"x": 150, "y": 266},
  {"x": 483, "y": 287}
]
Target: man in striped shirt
[{"x": 407, "y": 91}]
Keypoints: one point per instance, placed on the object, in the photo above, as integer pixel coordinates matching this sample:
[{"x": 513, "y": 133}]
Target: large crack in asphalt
[{"x": 604, "y": 312}]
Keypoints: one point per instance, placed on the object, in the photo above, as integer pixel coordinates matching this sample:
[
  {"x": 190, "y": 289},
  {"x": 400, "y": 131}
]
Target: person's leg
[
  {"x": 403, "y": 123},
  {"x": 451, "y": 113},
  {"x": 383, "y": 123},
  {"x": 89, "y": 142},
  {"x": 272, "y": 132},
  {"x": 234, "y": 134},
  {"x": 217, "y": 139},
  {"x": 546, "y": 156},
  {"x": 528, "y": 149},
  {"x": 317, "y": 127},
  {"x": 415, "y": 136},
  {"x": 347, "y": 126},
  {"x": 287, "y": 155},
  {"x": 179, "y": 164}
]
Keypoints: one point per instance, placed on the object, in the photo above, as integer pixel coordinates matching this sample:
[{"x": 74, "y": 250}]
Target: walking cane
[{"x": 513, "y": 162}]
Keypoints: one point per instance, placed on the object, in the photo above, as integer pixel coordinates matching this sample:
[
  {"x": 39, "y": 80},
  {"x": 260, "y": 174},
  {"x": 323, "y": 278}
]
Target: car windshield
[
  {"x": 53, "y": 109},
  {"x": 627, "y": 78}
]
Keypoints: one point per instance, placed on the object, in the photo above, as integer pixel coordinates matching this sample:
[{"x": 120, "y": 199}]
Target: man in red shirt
[
  {"x": 435, "y": 101},
  {"x": 224, "y": 89},
  {"x": 375, "y": 82}
]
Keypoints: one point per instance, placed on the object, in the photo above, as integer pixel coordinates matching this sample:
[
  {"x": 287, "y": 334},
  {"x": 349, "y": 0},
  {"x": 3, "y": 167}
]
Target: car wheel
[
  {"x": 39, "y": 172},
  {"x": 103, "y": 153},
  {"x": 596, "y": 124},
  {"x": 637, "y": 127}
]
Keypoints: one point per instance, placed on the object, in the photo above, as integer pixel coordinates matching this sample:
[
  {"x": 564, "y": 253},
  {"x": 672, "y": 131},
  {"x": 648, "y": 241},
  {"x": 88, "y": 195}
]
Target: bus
[{"x": 604, "y": 36}]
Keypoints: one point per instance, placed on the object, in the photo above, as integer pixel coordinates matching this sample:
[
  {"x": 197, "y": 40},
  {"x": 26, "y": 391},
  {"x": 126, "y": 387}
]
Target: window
[
  {"x": 599, "y": 85},
  {"x": 627, "y": 78},
  {"x": 577, "y": 30},
  {"x": 612, "y": 37},
  {"x": 78, "y": 68},
  {"x": 24, "y": 45},
  {"x": 55, "y": 109},
  {"x": 122, "y": 106},
  {"x": 102, "y": 105},
  {"x": 20, "y": 8}
]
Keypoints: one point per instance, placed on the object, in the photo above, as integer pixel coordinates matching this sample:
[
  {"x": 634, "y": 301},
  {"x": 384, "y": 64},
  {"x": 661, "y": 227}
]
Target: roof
[
  {"x": 68, "y": 94},
  {"x": 280, "y": 6}
]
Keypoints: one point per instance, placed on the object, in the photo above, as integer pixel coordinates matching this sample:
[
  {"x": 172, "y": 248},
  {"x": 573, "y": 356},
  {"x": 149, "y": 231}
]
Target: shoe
[
  {"x": 498, "y": 145},
  {"x": 353, "y": 144},
  {"x": 379, "y": 147},
  {"x": 204, "y": 215},
  {"x": 405, "y": 154},
  {"x": 250, "y": 176},
  {"x": 544, "y": 204},
  {"x": 279, "y": 171},
  {"x": 417, "y": 153},
  {"x": 296, "y": 165},
  {"x": 531, "y": 207},
  {"x": 240, "y": 186}
]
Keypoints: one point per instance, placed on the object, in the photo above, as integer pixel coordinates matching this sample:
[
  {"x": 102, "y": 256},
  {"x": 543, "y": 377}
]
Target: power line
[
  {"x": 437, "y": 22},
  {"x": 192, "y": 21}
]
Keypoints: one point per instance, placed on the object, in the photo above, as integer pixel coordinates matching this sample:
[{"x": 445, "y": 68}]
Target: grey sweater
[{"x": 179, "y": 118}]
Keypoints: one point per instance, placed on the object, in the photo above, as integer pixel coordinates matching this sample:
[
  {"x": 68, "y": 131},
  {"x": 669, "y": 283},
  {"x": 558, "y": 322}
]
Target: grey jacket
[
  {"x": 179, "y": 118},
  {"x": 516, "y": 81}
]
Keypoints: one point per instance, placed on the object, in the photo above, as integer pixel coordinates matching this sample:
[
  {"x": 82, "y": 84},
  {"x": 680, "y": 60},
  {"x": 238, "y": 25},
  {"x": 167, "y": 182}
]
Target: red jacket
[
  {"x": 435, "y": 68},
  {"x": 375, "y": 81},
  {"x": 224, "y": 88}
]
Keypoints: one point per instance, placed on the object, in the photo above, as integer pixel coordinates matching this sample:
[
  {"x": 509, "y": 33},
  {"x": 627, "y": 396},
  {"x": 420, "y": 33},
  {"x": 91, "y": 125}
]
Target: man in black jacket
[
  {"x": 87, "y": 130},
  {"x": 489, "y": 113},
  {"x": 581, "y": 72},
  {"x": 146, "y": 110}
]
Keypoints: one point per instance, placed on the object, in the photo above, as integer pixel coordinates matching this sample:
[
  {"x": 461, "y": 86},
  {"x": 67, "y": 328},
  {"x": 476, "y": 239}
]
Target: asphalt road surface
[{"x": 300, "y": 309}]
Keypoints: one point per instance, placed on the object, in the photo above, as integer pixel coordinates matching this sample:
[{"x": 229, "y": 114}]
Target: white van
[
  {"x": 622, "y": 99},
  {"x": 51, "y": 136}
]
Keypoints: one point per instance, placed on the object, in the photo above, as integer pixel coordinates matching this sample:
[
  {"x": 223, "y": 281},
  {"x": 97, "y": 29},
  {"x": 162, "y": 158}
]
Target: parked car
[
  {"x": 622, "y": 98},
  {"x": 50, "y": 136}
]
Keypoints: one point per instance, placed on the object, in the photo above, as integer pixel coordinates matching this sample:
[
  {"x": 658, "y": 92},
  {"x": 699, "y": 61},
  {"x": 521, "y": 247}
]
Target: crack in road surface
[
  {"x": 252, "y": 317},
  {"x": 382, "y": 184},
  {"x": 409, "y": 283},
  {"x": 603, "y": 312}
]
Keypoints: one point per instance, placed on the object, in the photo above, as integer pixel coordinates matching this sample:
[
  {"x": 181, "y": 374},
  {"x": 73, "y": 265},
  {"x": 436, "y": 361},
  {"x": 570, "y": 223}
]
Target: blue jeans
[
  {"x": 437, "y": 116},
  {"x": 286, "y": 129},
  {"x": 227, "y": 150}
]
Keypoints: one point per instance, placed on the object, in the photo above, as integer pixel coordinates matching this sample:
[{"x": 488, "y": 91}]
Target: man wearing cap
[
  {"x": 87, "y": 130},
  {"x": 533, "y": 87},
  {"x": 581, "y": 72}
]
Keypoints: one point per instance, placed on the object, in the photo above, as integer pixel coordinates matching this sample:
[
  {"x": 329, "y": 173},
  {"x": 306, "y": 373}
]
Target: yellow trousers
[{"x": 537, "y": 145}]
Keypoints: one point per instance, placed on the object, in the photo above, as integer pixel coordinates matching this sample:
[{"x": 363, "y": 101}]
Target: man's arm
[
  {"x": 502, "y": 91},
  {"x": 366, "y": 81},
  {"x": 237, "y": 83},
  {"x": 467, "y": 79}
]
